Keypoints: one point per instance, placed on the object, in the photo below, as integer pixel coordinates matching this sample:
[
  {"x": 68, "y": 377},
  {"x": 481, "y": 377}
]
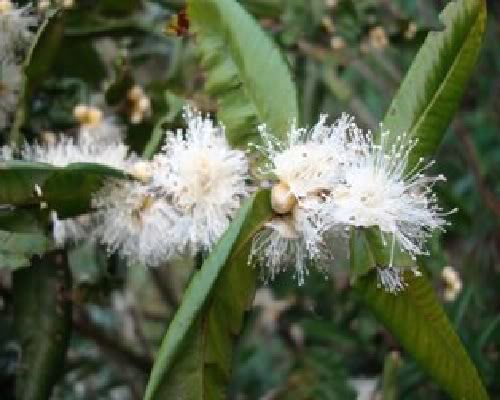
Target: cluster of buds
[
  {"x": 87, "y": 115},
  {"x": 140, "y": 104},
  {"x": 44, "y": 5}
]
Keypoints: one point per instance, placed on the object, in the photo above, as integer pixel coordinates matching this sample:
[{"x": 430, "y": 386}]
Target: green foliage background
[{"x": 300, "y": 343}]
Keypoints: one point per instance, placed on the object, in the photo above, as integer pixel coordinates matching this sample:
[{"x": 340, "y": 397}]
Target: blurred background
[{"x": 136, "y": 62}]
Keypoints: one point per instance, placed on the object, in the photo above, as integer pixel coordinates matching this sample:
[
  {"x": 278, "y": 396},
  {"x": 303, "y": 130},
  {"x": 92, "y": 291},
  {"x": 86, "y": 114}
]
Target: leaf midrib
[{"x": 449, "y": 72}]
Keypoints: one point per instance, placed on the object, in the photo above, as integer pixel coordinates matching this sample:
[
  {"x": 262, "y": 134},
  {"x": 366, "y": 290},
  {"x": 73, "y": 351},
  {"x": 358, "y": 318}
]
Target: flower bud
[{"x": 282, "y": 199}]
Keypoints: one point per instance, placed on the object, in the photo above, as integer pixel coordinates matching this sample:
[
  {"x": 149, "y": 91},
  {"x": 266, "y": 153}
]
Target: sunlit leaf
[{"x": 436, "y": 80}]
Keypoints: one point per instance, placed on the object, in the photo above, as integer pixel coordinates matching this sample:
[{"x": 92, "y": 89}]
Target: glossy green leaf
[
  {"x": 245, "y": 71},
  {"x": 435, "y": 82},
  {"x": 416, "y": 318},
  {"x": 43, "y": 324},
  {"x": 195, "y": 356},
  {"x": 64, "y": 189}
]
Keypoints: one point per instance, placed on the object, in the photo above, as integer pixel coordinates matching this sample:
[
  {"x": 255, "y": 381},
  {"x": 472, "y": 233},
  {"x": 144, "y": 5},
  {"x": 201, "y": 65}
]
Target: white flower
[
  {"x": 289, "y": 242},
  {"x": 10, "y": 86},
  {"x": 378, "y": 190},
  {"x": 204, "y": 180},
  {"x": 135, "y": 221},
  {"x": 308, "y": 160},
  {"x": 16, "y": 26},
  {"x": 66, "y": 150},
  {"x": 331, "y": 178},
  {"x": 307, "y": 165}
]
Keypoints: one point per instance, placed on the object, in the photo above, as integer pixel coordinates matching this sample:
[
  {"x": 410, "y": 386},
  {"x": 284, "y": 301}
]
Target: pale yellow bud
[
  {"x": 5, "y": 6},
  {"x": 68, "y": 3},
  {"x": 43, "y": 5},
  {"x": 452, "y": 283},
  {"x": 328, "y": 24},
  {"x": 411, "y": 31},
  {"x": 142, "y": 170},
  {"x": 135, "y": 93},
  {"x": 80, "y": 112},
  {"x": 282, "y": 200},
  {"x": 144, "y": 104},
  {"x": 378, "y": 38},
  {"x": 337, "y": 43},
  {"x": 94, "y": 116}
]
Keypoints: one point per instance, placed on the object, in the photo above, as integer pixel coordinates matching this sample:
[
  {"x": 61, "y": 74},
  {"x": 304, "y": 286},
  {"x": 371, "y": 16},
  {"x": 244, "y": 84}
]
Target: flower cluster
[
  {"x": 183, "y": 200},
  {"x": 327, "y": 181},
  {"x": 16, "y": 34},
  {"x": 332, "y": 178}
]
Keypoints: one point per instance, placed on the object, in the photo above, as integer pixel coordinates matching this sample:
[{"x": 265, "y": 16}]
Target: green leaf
[
  {"x": 43, "y": 324},
  {"x": 195, "y": 356},
  {"x": 433, "y": 87},
  {"x": 64, "y": 189},
  {"x": 16, "y": 249},
  {"x": 416, "y": 318},
  {"x": 361, "y": 257},
  {"x": 368, "y": 248},
  {"x": 37, "y": 63},
  {"x": 245, "y": 71}
]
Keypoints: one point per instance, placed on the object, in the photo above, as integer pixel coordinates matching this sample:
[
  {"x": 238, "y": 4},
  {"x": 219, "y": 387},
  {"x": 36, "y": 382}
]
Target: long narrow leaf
[
  {"x": 418, "y": 321},
  {"x": 435, "y": 82},
  {"x": 195, "y": 354},
  {"x": 245, "y": 70}
]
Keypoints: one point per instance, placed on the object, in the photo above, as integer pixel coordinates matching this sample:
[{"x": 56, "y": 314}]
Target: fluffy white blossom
[
  {"x": 378, "y": 190},
  {"x": 204, "y": 180},
  {"x": 307, "y": 161},
  {"x": 136, "y": 222},
  {"x": 306, "y": 165},
  {"x": 66, "y": 150},
  {"x": 331, "y": 178}
]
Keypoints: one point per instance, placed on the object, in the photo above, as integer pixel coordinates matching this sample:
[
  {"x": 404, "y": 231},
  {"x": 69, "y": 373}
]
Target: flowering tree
[{"x": 252, "y": 195}]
